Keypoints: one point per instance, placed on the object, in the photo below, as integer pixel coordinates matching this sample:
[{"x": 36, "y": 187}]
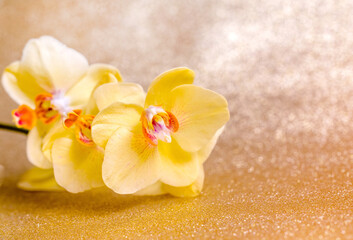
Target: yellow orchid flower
[
  {"x": 77, "y": 160},
  {"x": 48, "y": 82},
  {"x": 161, "y": 146}
]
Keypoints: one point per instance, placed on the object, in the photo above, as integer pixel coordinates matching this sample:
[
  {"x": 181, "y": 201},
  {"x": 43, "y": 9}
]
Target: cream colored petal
[
  {"x": 129, "y": 93},
  {"x": 97, "y": 75},
  {"x": 195, "y": 188},
  {"x": 10, "y": 82},
  {"x": 52, "y": 64},
  {"x": 191, "y": 190},
  {"x": 37, "y": 179},
  {"x": 113, "y": 117},
  {"x": 160, "y": 188},
  {"x": 91, "y": 107},
  {"x": 56, "y": 131},
  {"x": 152, "y": 190},
  {"x": 77, "y": 168},
  {"x": 205, "y": 151},
  {"x": 179, "y": 168},
  {"x": 34, "y": 149},
  {"x": 159, "y": 91},
  {"x": 130, "y": 162},
  {"x": 200, "y": 113}
]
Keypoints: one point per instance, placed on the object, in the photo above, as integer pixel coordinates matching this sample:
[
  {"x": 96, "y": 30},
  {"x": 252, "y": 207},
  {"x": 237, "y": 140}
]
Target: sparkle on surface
[{"x": 283, "y": 167}]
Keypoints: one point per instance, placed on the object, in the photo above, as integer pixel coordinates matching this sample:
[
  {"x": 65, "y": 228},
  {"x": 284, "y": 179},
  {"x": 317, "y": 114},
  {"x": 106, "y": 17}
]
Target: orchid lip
[
  {"x": 48, "y": 108},
  {"x": 24, "y": 117},
  {"x": 158, "y": 124},
  {"x": 83, "y": 125}
]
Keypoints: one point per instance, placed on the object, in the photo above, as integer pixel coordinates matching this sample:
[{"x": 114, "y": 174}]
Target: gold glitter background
[{"x": 283, "y": 167}]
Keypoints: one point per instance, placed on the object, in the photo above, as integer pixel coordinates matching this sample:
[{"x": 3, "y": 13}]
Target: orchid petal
[
  {"x": 159, "y": 91},
  {"x": 37, "y": 179},
  {"x": 77, "y": 168},
  {"x": 130, "y": 162},
  {"x": 179, "y": 168},
  {"x": 200, "y": 113},
  {"x": 53, "y": 65},
  {"x": 96, "y": 75},
  {"x": 191, "y": 190},
  {"x": 21, "y": 89},
  {"x": 34, "y": 149},
  {"x": 129, "y": 93},
  {"x": 113, "y": 117}
]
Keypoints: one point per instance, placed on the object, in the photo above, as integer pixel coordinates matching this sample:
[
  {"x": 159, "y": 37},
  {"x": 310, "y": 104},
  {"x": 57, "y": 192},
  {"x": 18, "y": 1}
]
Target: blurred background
[{"x": 283, "y": 167}]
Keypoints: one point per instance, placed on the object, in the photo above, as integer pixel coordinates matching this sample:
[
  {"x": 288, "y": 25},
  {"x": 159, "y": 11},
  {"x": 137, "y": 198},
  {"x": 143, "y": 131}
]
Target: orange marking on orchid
[
  {"x": 158, "y": 124},
  {"x": 72, "y": 118},
  {"x": 173, "y": 123},
  {"x": 24, "y": 117},
  {"x": 45, "y": 110},
  {"x": 82, "y": 124}
]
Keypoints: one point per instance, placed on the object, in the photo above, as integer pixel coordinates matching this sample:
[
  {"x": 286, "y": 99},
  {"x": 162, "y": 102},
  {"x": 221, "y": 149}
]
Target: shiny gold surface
[{"x": 283, "y": 167}]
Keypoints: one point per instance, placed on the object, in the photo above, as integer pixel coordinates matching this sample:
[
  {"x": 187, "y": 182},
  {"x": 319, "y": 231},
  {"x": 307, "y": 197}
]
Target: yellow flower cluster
[{"x": 89, "y": 129}]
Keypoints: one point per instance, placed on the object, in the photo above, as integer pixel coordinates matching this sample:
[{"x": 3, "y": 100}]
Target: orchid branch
[{"x": 13, "y": 128}]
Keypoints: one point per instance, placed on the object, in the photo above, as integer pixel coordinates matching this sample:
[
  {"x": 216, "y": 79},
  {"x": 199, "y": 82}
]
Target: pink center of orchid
[{"x": 158, "y": 124}]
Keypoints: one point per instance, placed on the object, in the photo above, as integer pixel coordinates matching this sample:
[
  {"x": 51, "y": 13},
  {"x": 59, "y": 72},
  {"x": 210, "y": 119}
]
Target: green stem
[{"x": 13, "y": 128}]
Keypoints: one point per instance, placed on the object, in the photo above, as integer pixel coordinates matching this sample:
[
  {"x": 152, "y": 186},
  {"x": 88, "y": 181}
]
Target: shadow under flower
[{"x": 96, "y": 202}]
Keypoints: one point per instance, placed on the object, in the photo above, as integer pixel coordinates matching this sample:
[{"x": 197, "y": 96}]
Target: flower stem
[{"x": 13, "y": 128}]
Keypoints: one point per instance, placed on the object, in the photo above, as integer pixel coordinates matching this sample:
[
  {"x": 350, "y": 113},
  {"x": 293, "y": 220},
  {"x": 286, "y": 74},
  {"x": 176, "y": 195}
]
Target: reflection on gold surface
[
  {"x": 283, "y": 167},
  {"x": 1, "y": 174}
]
